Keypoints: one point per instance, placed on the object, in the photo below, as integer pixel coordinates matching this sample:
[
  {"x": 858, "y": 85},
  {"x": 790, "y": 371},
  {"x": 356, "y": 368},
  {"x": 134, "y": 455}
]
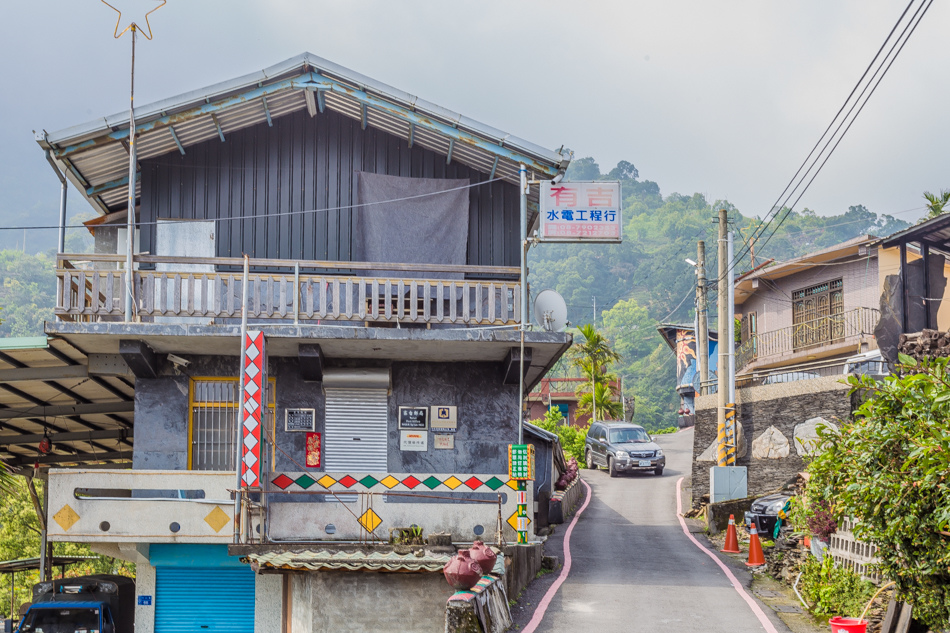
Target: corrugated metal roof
[
  {"x": 95, "y": 154},
  {"x": 352, "y": 560}
]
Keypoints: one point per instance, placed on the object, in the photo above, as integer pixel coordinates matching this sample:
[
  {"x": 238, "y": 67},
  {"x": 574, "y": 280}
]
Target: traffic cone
[
  {"x": 732, "y": 539},
  {"x": 756, "y": 558}
]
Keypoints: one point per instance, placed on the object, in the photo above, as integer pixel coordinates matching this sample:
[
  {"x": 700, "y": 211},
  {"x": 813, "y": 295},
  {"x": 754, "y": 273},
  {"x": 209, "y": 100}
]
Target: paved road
[{"x": 634, "y": 569}]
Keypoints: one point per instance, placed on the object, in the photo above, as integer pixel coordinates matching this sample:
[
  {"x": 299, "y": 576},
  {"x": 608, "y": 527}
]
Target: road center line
[
  {"x": 565, "y": 570},
  {"x": 766, "y": 623}
]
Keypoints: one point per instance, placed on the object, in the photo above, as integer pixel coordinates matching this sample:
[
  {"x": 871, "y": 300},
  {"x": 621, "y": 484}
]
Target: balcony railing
[
  {"x": 821, "y": 331},
  {"x": 92, "y": 288}
]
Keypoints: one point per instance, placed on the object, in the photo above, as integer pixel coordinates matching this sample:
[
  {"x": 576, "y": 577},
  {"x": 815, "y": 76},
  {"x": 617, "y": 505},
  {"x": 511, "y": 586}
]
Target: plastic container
[{"x": 848, "y": 625}]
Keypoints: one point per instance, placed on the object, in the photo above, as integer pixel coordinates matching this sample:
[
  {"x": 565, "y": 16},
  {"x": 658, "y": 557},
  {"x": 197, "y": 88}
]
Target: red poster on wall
[{"x": 313, "y": 450}]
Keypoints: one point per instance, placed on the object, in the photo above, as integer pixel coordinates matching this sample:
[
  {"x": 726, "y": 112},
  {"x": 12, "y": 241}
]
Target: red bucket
[{"x": 847, "y": 625}]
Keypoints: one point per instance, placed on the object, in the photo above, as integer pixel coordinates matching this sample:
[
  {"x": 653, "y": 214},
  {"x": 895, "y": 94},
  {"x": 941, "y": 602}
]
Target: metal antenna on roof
[{"x": 130, "y": 223}]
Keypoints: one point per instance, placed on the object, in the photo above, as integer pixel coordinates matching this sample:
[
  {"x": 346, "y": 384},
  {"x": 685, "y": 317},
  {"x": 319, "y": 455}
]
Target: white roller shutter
[{"x": 357, "y": 415}]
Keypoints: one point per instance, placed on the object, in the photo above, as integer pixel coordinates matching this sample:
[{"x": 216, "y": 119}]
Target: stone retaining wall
[{"x": 778, "y": 424}]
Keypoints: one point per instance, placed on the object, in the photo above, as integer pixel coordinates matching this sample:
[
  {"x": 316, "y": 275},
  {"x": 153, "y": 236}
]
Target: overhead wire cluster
[{"x": 816, "y": 159}]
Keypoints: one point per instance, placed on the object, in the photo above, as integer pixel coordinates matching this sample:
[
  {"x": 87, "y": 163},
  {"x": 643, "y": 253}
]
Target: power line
[
  {"x": 268, "y": 216},
  {"x": 787, "y": 193}
]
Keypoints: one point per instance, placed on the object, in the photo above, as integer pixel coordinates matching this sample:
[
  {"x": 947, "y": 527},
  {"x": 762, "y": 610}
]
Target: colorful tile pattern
[
  {"x": 252, "y": 375},
  {"x": 363, "y": 481},
  {"x": 370, "y": 520}
]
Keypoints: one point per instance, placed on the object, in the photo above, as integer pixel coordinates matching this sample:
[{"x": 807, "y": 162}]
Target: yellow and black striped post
[{"x": 726, "y": 438}]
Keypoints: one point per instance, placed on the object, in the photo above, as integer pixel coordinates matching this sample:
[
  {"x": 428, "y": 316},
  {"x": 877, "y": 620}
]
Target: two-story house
[{"x": 378, "y": 237}]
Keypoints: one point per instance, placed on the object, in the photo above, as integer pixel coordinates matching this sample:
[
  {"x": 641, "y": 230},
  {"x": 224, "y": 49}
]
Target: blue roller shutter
[{"x": 204, "y": 600}]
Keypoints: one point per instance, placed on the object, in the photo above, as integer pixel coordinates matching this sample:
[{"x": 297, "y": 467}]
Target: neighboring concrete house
[
  {"x": 801, "y": 320},
  {"x": 383, "y": 237},
  {"x": 562, "y": 394}
]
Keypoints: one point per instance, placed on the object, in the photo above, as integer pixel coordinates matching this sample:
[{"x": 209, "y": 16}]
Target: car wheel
[
  {"x": 589, "y": 460},
  {"x": 610, "y": 467},
  {"x": 658, "y": 471}
]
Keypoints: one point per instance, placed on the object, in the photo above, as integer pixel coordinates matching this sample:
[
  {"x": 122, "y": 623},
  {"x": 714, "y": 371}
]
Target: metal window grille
[{"x": 214, "y": 412}]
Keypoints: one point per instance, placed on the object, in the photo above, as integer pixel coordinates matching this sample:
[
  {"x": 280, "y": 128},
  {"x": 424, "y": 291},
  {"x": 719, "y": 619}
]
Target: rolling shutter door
[
  {"x": 356, "y": 430},
  {"x": 204, "y": 600}
]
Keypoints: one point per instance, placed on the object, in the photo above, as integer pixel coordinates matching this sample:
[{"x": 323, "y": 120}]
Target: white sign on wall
[
  {"x": 414, "y": 440},
  {"x": 586, "y": 211}
]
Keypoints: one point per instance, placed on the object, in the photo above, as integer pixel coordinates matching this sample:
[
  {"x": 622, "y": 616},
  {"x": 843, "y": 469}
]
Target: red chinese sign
[
  {"x": 313, "y": 450},
  {"x": 580, "y": 212}
]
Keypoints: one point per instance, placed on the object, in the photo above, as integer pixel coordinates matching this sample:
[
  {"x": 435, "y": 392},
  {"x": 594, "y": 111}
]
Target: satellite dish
[{"x": 550, "y": 311}]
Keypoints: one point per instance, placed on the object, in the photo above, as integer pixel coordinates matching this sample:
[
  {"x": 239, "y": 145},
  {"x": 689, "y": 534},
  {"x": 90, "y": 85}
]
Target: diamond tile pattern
[
  {"x": 326, "y": 481},
  {"x": 512, "y": 483},
  {"x": 347, "y": 482},
  {"x": 282, "y": 481},
  {"x": 473, "y": 482},
  {"x": 452, "y": 482},
  {"x": 389, "y": 481},
  {"x": 431, "y": 483},
  {"x": 305, "y": 481},
  {"x": 410, "y": 482},
  {"x": 217, "y": 519},
  {"x": 66, "y": 517},
  {"x": 494, "y": 483},
  {"x": 369, "y": 481},
  {"x": 370, "y": 520},
  {"x": 252, "y": 379}
]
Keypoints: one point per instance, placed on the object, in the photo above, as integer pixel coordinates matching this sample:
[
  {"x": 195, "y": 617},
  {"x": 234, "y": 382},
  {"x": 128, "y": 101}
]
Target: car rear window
[{"x": 622, "y": 436}]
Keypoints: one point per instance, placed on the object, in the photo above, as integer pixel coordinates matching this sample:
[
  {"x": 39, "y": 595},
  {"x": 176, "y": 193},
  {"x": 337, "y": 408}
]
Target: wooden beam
[
  {"x": 60, "y": 410},
  {"x": 74, "y": 436}
]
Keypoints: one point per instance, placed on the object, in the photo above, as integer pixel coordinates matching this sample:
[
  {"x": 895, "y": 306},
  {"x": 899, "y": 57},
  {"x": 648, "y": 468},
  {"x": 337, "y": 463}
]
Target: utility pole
[
  {"x": 722, "y": 389},
  {"x": 702, "y": 317}
]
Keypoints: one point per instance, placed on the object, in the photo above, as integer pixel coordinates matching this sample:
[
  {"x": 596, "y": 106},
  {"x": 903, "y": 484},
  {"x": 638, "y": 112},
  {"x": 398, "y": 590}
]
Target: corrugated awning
[
  {"x": 315, "y": 560},
  {"x": 95, "y": 155},
  {"x": 47, "y": 391}
]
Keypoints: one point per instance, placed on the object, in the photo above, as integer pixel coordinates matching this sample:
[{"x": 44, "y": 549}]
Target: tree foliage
[
  {"x": 20, "y": 538},
  {"x": 27, "y": 292},
  {"x": 889, "y": 469},
  {"x": 936, "y": 202},
  {"x": 593, "y": 356},
  {"x": 572, "y": 438}
]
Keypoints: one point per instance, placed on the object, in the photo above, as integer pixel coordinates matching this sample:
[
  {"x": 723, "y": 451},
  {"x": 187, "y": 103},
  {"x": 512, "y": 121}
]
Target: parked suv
[{"x": 622, "y": 447}]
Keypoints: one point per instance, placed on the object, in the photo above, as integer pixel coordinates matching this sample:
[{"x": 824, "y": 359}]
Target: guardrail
[
  {"x": 92, "y": 288},
  {"x": 821, "y": 331}
]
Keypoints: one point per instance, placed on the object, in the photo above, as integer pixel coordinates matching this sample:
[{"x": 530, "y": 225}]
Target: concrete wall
[
  {"x": 144, "y": 586},
  {"x": 161, "y": 424},
  {"x": 487, "y": 414},
  {"x": 268, "y": 603},
  {"x": 332, "y": 601},
  {"x": 784, "y": 406},
  {"x": 773, "y": 305}
]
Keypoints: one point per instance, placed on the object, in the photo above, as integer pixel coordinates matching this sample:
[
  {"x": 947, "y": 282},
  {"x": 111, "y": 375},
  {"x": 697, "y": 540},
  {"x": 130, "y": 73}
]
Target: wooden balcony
[
  {"x": 92, "y": 287},
  {"x": 827, "y": 333}
]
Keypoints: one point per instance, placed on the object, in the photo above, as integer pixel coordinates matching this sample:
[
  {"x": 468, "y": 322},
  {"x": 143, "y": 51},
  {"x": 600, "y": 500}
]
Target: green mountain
[{"x": 646, "y": 280}]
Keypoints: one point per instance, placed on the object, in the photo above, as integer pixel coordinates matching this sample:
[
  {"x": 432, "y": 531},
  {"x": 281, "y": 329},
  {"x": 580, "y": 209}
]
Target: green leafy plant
[
  {"x": 572, "y": 438},
  {"x": 833, "y": 590},
  {"x": 889, "y": 469}
]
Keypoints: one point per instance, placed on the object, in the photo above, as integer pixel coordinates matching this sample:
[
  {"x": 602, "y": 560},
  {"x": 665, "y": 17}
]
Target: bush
[
  {"x": 573, "y": 438},
  {"x": 834, "y": 591},
  {"x": 889, "y": 468}
]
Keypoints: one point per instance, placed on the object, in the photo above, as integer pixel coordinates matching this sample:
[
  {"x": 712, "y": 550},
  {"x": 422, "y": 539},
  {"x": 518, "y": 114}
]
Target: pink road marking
[
  {"x": 565, "y": 570},
  {"x": 766, "y": 623}
]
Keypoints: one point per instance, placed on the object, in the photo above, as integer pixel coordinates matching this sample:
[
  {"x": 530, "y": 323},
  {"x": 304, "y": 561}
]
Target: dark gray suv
[{"x": 622, "y": 447}]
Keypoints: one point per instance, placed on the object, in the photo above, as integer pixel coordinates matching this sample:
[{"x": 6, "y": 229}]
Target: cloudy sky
[{"x": 723, "y": 98}]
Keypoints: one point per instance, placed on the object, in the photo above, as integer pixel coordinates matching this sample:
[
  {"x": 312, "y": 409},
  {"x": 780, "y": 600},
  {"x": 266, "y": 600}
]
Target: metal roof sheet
[
  {"x": 352, "y": 560},
  {"x": 94, "y": 155}
]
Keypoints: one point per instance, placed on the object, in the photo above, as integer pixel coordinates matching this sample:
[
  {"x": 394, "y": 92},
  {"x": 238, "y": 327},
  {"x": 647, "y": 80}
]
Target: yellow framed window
[{"x": 212, "y": 420}]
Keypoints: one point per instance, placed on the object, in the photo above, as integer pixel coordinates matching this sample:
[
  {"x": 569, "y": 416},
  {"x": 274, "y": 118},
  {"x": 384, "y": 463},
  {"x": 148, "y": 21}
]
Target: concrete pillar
[
  {"x": 144, "y": 586},
  {"x": 268, "y": 603}
]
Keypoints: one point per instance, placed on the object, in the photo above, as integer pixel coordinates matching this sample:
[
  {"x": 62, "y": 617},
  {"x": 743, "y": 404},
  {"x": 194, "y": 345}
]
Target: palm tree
[
  {"x": 601, "y": 398},
  {"x": 936, "y": 203},
  {"x": 593, "y": 356}
]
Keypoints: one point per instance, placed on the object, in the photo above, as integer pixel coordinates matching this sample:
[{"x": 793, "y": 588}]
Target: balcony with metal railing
[
  {"x": 92, "y": 287},
  {"x": 822, "y": 336}
]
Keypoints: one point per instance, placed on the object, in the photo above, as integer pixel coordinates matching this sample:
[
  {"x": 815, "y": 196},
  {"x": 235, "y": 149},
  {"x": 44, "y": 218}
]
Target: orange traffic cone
[
  {"x": 756, "y": 557},
  {"x": 732, "y": 539}
]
